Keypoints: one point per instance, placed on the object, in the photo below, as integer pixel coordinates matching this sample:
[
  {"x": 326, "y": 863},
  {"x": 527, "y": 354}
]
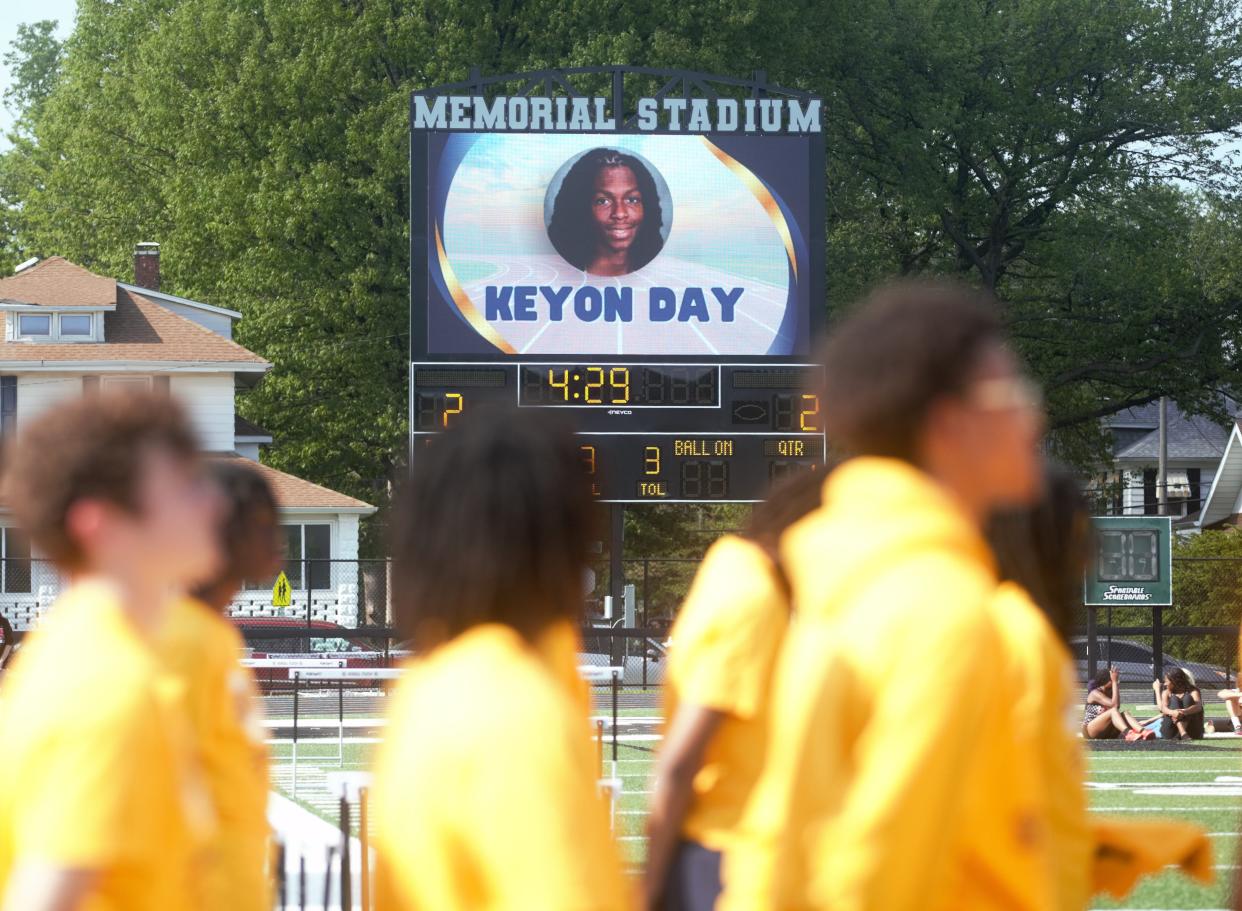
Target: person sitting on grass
[
  {"x": 1232, "y": 698},
  {"x": 1181, "y": 706},
  {"x": 1103, "y": 718}
]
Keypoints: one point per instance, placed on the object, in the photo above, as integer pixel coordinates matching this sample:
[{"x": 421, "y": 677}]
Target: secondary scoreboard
[
  {"x": 658, "y": 279},
  {"x": 1133, "y": 562}
]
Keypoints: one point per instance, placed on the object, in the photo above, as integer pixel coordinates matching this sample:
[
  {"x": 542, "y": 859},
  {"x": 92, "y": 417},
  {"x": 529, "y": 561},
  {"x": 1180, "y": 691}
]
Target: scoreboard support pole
[{"x": 616, "y": 565}]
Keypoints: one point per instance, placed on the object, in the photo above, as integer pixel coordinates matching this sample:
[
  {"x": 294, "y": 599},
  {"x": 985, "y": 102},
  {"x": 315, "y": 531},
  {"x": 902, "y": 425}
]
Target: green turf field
[
  {"x": 1182, "y": 783},
  {"x": 1179, "y": 781}
]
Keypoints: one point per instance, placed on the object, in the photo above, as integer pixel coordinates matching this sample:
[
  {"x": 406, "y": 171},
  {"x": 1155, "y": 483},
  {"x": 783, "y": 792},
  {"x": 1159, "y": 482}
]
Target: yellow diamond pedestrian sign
[{"x": 282, "y": 594}]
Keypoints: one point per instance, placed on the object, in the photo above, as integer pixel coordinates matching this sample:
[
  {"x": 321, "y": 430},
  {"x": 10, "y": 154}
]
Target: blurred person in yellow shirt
[
  {"x": 722, "y": 649},
  {"x": 203, "y": 650},
  {"x": 101, "y": 809},
  {"x": 887, "y": 779},
  {"x": 485, "y": 792},
  {"x": 1042, "y": 554}
]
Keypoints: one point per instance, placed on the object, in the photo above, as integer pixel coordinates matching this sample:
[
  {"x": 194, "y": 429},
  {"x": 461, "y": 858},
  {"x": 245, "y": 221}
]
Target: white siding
[
  {"x": 36, "y": 392},
  {"x": 247, "y": 451},
  {"x": 346, "y": 537},
  {"x": 209, "y": 399},
  {"x": 1132, "y": 493}
]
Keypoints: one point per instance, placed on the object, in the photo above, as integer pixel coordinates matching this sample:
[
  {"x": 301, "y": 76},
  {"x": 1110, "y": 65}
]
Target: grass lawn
[{"x": 1179, "y": 782}]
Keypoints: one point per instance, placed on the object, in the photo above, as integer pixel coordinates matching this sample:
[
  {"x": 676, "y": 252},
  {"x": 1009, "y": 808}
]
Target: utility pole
[{"x": 1162, "y": 467}]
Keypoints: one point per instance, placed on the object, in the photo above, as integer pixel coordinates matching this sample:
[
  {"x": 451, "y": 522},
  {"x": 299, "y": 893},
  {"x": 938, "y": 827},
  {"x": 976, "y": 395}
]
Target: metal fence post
[
  {"x": 347, "y": 892},
  {"x": 1093, "y": 644},
  {"x": 307, "y": 591},
  {"x": 340, "y": 723},
  {"x": 599, "y": 743},
  {"x": 1157, "y": 642},
  {"x": 616, "y": 687},
  {"x": 646, "y": 592},
  {"x": 294, "y": 745},
  {"x": 327, "y": 877},
  {"x": 282, "y": 884}
]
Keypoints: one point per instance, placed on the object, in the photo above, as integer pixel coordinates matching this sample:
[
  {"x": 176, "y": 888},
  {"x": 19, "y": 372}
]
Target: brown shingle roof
[
  {"x": 56, "y": 282},
  {"x": 294, "y": 493},
  {"x": 138, "y": 330}
]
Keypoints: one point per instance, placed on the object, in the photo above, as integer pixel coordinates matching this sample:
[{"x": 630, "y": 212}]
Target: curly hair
[
  {"x": 493, "y": 526},
  {"x": 88, "y": 448},
  {"x": 572, "y": 230}
]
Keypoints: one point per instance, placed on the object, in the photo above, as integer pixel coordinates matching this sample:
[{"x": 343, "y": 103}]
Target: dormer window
[
  {"x": 76, "y": 325},
  {"x": 34, "y": 325},
  {"x": 52, "y": 327}
]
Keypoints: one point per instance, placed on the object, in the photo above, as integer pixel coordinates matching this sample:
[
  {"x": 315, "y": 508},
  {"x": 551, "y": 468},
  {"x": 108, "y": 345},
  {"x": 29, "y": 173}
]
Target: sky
[{"x": 12, "y": 14}]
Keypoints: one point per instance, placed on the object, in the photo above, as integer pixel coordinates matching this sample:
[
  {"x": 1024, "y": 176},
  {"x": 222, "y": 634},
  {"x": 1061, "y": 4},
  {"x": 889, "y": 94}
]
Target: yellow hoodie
[
  {"x": 1046, "y": 723},
  {"x": 485, "y": 787},
  {"x": 889, "y": 778}
]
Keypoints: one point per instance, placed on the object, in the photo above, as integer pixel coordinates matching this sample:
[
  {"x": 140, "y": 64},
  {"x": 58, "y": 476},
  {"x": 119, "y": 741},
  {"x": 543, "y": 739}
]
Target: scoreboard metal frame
[
  {"x": 1132, "y": 562},
  {"x": 617, "y": 437}
]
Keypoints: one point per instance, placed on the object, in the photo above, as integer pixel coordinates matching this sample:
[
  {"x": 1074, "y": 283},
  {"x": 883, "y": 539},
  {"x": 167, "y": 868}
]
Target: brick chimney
[{"x": 147, "y": 265}]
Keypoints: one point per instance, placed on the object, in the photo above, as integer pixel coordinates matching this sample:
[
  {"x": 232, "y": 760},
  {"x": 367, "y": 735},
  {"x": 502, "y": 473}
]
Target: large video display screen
[{"x": 618, "y": 244}]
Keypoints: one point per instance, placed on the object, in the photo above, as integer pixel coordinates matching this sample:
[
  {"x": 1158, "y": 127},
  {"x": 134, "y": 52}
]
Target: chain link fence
[{"x": 1198, "y": 632}]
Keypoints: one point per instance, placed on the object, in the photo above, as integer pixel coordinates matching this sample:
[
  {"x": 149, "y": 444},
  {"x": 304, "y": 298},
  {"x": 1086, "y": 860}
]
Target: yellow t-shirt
[
  {"x": 888, "y": 729},
  {"x": 485, "y": 791},
  {"x": 203, "y": 650},
  {"x": 723, "y": 648},
  {"x": 95, "y": 769}
]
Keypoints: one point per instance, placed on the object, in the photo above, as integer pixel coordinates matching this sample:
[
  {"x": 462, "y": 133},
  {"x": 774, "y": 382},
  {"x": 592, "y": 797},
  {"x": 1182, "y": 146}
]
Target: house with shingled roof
[
  {"x": 69, "y": 332},
  {"x": 1195, "y": 444}
]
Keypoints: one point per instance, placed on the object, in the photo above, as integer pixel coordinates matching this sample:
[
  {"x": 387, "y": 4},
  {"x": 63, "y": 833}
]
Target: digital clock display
[
  {"x": 1129, "y": 556},
  {"x": 684, "y": 432},
  {"x": 620, "y": 386}
]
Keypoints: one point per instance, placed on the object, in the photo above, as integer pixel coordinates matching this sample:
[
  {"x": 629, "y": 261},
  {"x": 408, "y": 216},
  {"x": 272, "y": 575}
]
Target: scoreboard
[
  {"x": 672, "y": 432},
  {"x": 657, "y": 278},
  {"x": 1133, "y": 562}
]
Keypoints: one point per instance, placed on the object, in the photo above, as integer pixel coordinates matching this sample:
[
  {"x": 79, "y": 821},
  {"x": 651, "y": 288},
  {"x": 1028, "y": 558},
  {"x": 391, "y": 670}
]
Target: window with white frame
[
  {"x": 308, "y": 553},
  {"x": 15, "y": 562},
  {"x": 76, "y": 325},
  {"x": 67, "y": 327},
  {"x": 34, "y": 325}
]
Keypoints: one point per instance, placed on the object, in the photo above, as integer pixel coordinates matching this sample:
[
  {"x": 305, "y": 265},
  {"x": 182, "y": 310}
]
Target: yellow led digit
[
  {"x": 563, "y": 385},
  {"x": 594, "y": 383},
  {"x": 651, "y": 460},
  {"x": 453, "y": 404},
  {"x": 619, "y": 380},
  {"x": 810, "y": 411},
  {"x": 587, "y": 454}
]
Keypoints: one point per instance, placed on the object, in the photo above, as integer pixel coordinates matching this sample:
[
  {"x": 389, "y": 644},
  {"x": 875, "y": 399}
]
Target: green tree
[
  {"x": 265, "y": 147},
  {"x": 33, "y": 61},
  {"x": 1207, "y": 591},
  {"x": 1027, "y": 144},
  {"x": 1036, "y": 147}
]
